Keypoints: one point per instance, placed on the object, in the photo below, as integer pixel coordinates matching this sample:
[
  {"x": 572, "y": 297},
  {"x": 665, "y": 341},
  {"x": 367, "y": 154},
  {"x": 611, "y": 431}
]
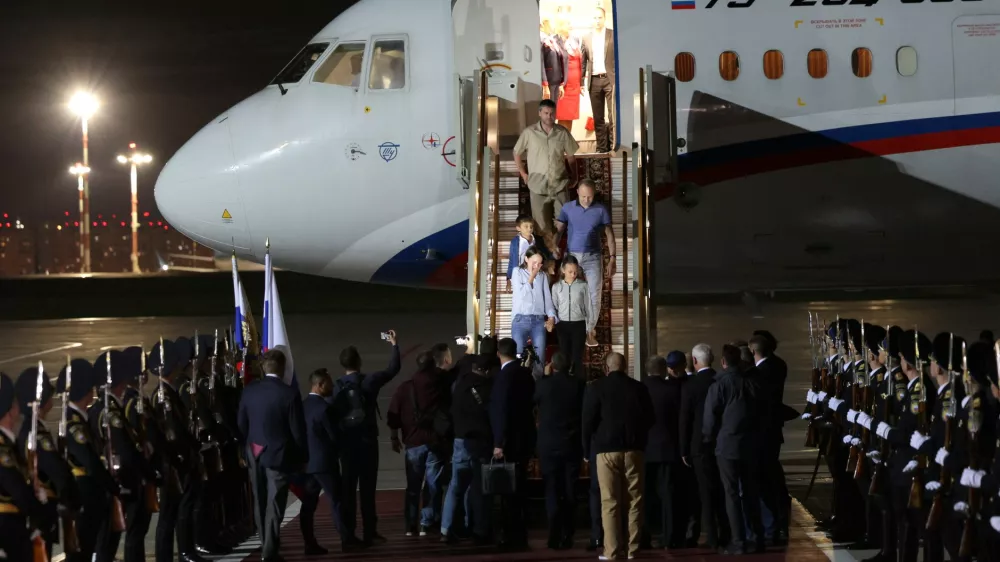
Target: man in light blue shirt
[
  {"x": 532, "y": 311},
  {"x": 583, "y": 219}
]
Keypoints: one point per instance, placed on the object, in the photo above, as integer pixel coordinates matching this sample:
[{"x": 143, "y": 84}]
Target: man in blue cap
[
  {"x": 18, "y": 502},
  {"x": 53, "y": 472},
  {"x": 83, "y": 451}
]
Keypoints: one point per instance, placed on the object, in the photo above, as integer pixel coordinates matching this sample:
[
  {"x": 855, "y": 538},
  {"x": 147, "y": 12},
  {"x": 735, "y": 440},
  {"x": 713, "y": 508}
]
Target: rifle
[
  {"x": 71, "y": 541},
  {"x": 117, "y": 521},
  {"x": 196, "y": 426},
  {"x": 854, "y": 455},
  {"x": 812, "y": 439},
  {"x": 152, "y": 498},
  {"x": 948, "y": 412},
  {"x": 917, "y": 486},
  {"x": 836, "y": 384},
  {"x": 172, "y": 478},
  {"x": 884, "y": 452},
  {"x": 968, "y": 542},
  {"x": 38, "y": 543}
]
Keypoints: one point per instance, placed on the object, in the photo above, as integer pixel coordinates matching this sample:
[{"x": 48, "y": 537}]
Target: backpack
[
  {"x": 438, "y": 421},
  {"x": 351, "y": 404}
]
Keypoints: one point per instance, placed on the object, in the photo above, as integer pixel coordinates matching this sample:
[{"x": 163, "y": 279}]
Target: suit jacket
[
  {"x": 617, "y": 415},
  {"x": 560, "y": 403},
  {"x": 693, "y": 397},
  {"x": 664, "y": 436},
  {"x": 773, "y": 371},
  {"x": 322, "y": 435},
  {"x": 609, "y": 55},
  {"x": 512, "y": 412},
  {"x": 555, "y": 62},
  {"x": 271, "y": 417}
]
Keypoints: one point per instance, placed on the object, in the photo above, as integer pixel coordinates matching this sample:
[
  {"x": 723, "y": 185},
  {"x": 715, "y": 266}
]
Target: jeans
[
  {"x": 423, "y": 466},
  {"x": 458, "y": 489},
  {"x": 592, "y": 264},
  {"x": 525, "y": 326}
]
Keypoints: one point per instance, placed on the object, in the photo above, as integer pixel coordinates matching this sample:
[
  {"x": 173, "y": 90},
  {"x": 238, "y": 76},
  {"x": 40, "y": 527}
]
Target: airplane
[{"x": 827, "y": 143}]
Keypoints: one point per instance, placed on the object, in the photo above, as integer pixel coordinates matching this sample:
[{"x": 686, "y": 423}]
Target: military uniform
[
  {"x": 182, "y": 466},
  {"x": 83, "y": 452},
  {"x": 54, "y": 473},
  {"x": 19, "y": 506}
]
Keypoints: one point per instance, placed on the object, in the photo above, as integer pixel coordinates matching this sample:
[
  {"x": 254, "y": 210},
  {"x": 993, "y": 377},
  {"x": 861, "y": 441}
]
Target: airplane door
[
  {"x": 502, "y": 35},
  {"x": 976, "y": 42}
]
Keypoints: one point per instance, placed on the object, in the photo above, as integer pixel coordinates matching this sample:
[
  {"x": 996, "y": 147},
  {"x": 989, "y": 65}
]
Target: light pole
[
  {"x": 135, "y": 160},
  {"x": 84, "y": 105},
  {"x": 81, "y": 171}
]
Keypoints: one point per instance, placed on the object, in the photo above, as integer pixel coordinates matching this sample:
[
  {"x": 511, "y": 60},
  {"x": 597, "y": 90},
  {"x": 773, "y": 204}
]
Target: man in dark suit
[
  {"x": 699, "y": 454},
  {"x": 663, "y": 493},
  {"x": 599, "y": 73},
  {"x": 272, "y": 424},
  {"x": 323, "y": 469},
  {"x": 514, "y": 435},
  {"x": 560, "y": 399},
  {"x": 777, "y": 503},
  {"x": 735, "y": 416}
]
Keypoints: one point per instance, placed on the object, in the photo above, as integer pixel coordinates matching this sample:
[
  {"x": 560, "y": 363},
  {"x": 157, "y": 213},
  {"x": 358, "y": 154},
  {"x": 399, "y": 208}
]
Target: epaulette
[
  {"x": 8, "y": 458},
  {"x": 45, "y": 440},
  {"x": 79, "y": 432}
]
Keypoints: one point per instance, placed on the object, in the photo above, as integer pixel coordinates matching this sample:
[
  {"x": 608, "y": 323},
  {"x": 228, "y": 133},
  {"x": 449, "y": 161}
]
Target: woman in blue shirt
[{"x": 532, "y": 311}]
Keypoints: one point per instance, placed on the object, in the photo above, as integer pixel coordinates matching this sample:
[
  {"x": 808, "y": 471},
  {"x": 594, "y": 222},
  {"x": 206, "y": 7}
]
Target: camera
[
  {"x": 463, "y": 340},
  {"x": 385, "y": 336}
]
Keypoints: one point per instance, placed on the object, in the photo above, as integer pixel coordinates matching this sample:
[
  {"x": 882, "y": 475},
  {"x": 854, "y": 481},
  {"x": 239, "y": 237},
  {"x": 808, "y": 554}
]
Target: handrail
[
  {"x": 495, "y": 250},
  {"x": 624, "y": 251}
]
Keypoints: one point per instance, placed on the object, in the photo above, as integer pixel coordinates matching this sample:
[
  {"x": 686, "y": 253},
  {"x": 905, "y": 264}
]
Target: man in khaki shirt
[{"x": 551, "y": 166}]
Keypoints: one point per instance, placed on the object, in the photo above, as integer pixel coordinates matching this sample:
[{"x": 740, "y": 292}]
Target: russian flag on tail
[
  {"x": 275, "y": 336},
  {"x": 682, "y": 5}
]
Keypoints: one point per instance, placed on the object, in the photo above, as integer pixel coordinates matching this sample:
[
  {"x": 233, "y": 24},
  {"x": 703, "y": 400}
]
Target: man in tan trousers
[{"x": 617, "y": 415}]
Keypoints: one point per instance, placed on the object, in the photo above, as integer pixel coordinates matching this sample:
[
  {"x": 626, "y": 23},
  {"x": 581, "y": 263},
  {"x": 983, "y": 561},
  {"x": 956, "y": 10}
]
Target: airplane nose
[{"x": 198, "y": 193}]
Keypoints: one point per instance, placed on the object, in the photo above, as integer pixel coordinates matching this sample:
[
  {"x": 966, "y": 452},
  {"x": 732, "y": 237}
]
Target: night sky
[{"x": 161, "y": 70}]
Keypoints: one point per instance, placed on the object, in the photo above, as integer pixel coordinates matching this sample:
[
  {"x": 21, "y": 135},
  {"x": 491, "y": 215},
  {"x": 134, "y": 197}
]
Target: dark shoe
[
  {"x": 480, "y": 541},
  {"x": 879, "y": 557},
  {"x": 566, "y": 543},
  {"x": 512, "y": 546},
  {"x": 191, "y": 557},
  {"x": 731, "y": 550},
  {"x": 449, "y": 538},
  {"x": 554, "y": 544},
  {"x": 593, "y": 545},
  {"x": 760, "y": 549},
  {"x": 780, "y": 539},
  {"x": 351, "y": 544},
  {"x": 375, "y": 540},
  {"x": 315, "y": 550}
]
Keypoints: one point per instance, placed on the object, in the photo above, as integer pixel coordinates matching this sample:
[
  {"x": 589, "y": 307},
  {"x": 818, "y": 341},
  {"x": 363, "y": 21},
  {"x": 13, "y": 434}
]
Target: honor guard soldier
[
  {"x": 138, "y": 411},
  {"x": 978, "y": 526},
  {"x": 132, "y": 470},
  {"x": 98, "y": 490},
  {"x": 19, "y": 505},
  {"x": 871, "y": 374},
  {"x": 54, "y": 473},
  {"x": 914, "y": 404},
  {"x": 182, "y": 474}
]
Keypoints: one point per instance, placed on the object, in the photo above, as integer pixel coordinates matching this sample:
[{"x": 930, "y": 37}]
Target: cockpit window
[
  {"x": 343, "y": 66},
  {"x": 388, "y": 70},
  {"x": 301, "y": 64}
]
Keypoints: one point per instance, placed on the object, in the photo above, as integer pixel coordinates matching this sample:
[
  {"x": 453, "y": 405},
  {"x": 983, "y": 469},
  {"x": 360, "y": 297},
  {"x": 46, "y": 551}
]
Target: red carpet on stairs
[{"x": 400, "y": 547}]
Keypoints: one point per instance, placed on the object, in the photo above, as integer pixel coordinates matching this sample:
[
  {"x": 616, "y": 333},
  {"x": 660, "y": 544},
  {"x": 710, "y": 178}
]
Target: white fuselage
[{"x": 798, "y": 181}]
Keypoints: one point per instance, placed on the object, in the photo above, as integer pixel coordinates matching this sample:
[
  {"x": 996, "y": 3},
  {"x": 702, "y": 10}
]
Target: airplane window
[
  {"x": 684, "y": 67},
  {"x": 343, "y": 66},
  {"x": 388, "y": 70},
  {"x": 861, "y": 62},
  {"x": 295, "y": 70},
  {"x": 774, "y": 64},
  {"x": 906, "y": 61},
  {"x": 817, "y": 63},
  {"x": 729, "y": 66}
]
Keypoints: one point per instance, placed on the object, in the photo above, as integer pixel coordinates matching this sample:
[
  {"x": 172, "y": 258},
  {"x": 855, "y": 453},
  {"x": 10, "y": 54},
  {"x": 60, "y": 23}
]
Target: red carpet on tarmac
[{"x": 802, "y": 548}]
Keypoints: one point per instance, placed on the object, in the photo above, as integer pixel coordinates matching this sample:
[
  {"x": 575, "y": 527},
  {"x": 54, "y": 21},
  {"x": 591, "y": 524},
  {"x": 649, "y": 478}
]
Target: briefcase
[{"x": 498, "y": 478}]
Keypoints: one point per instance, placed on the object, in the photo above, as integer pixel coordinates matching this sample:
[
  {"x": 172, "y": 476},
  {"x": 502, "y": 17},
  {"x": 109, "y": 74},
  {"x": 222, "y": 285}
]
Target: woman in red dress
[{"x": 568, "y": 106}]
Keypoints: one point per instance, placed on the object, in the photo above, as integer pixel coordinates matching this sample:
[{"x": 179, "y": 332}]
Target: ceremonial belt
[
  {"x": 79, "y": 472},
  {"x": 8, "y": 508}
]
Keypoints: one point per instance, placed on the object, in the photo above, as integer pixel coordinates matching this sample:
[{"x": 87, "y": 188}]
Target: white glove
[
  {"x": 855, "y": 442},
  {"x": 995, "y": 523},
  {"x": 875, "y": 457},
  {"x": 865, "y": 421},
  {"x": 821, "y": 396},
  {"x": 918, "y": 439},
  {"x": 965, "y": 400},
  {"x": 43, "y": 497},
  {"x": 835, "y": 403},
  {"x": 847, "y": 440},
  {"x": 806, "y": 416},
  {"x": 941, "y": 456},
  {"x": 883, "y": 430},
  {"x": 35, "y": 534},
  {"x": 910, "y": 466},
  {"x": 972, "y": 478},
  {"x": 852, "y": 415},
  {"x": 811, "y": 397},
  {"x": 961, "y": 506},
  {"x": 933, "y": 486}
]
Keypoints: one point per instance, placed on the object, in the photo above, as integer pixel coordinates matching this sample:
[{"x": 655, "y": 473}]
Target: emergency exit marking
[
  {"x": 801, "y": 103},
  {"x": 797, "y": 22},
  {"x": 883, "y": 99}
]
